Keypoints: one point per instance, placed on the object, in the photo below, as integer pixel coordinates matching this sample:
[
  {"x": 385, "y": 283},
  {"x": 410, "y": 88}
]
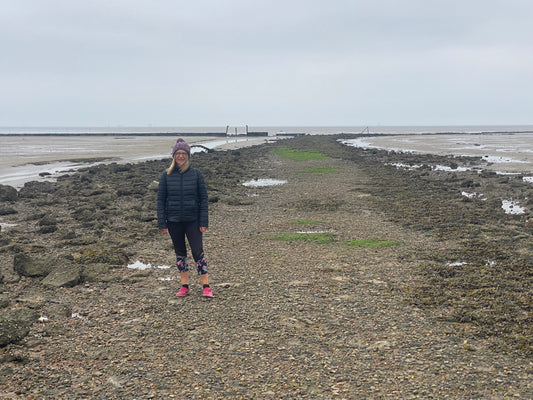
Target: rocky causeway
[{"x": 355, "y": 277}]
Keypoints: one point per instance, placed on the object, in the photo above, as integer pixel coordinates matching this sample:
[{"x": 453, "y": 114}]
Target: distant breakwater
[{"x": 215, "y": 134}]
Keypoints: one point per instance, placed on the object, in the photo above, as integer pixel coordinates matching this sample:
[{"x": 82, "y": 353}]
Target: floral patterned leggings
[{"x": 178, "y": 231}]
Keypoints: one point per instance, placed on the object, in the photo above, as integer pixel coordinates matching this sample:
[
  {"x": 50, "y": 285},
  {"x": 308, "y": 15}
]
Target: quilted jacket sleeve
[
  {"x": 161, "y": 202},
  {"x": 203, "y": 212}
]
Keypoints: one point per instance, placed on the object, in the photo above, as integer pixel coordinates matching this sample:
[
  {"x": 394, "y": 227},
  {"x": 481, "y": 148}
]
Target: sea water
[
  {"x": 502, "y": 152},
  {"x": 272, "y": 130}
]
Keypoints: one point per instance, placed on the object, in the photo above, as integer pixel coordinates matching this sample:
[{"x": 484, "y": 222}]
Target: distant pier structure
[
  {"x": 255, "y": 133},
  {"x": 245, "y": 133}
]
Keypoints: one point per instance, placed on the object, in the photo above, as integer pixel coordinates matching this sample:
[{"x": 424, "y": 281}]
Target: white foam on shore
[
  {"x": 450, "y": 169},
  {"x": 512, "y": 207},
  {"x": 474, "y": 195},
  {"x": 264, "y": 182},
  {"x": 434, "y": 167},
  {"x": 141, "y": 266},
  {"x": 456, "y": 264},
  {"x": 406, "y": 166},
  {"x": 502, "y": 160}
]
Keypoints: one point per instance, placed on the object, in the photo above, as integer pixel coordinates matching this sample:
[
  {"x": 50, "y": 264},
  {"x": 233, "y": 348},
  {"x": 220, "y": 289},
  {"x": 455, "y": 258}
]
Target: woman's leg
[
  {"x": 177, "y": 234},
  {"x": 195, "y": 238}
]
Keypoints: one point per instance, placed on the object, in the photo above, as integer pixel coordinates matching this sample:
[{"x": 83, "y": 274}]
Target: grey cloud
[{"x": 133, "y": 62}]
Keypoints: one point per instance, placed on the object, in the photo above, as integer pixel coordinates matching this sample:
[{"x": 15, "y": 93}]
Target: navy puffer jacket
[{"x": 182, "y": 198}]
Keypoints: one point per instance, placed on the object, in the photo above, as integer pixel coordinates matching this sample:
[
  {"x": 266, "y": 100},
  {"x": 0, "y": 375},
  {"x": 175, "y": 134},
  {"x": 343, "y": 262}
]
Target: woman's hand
[
  {"x": 164, "y": 230},
  {"x": 203, "y": 229}
]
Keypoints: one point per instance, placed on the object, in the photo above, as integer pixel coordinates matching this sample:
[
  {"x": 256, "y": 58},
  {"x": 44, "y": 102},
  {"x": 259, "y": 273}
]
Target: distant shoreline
[{"x": 436, "y": 133}]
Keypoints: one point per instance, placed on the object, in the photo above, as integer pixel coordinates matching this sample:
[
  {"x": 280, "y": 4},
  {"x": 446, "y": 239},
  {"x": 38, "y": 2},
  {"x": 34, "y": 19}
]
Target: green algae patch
[
  {"x": 376, "y": 243},
  {"x": 317, "y": 237},
  {"x": 319, "y": 170},
  {"x": 298, "y": 155}
]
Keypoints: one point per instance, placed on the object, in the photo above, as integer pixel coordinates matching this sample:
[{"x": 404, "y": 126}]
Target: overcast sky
[{"x": 265, "y": 62}]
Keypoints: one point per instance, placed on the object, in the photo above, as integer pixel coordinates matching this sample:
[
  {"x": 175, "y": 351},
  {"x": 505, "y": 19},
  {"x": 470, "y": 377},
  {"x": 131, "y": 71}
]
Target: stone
[
  {"x": 55, "y": 311},
  {"x": 63, "y": 276},
  {"x": 34, "y": 189},
  {"x": 28, "y": 266},
  {"x": 93, "y": 272},
  {"x": 4, "y": 300},
  {"x": 8, "y": 193},
  {"x": 15, "y": 325},
  {"x": 4, "y": 210},
  {"x": 48, "y": 220}
]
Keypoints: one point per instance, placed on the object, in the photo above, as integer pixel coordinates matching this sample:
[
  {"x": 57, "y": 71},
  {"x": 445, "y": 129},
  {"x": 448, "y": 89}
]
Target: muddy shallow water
[
  {"x": 501, "y": 152},
  {"x": 26, "y": 158}
]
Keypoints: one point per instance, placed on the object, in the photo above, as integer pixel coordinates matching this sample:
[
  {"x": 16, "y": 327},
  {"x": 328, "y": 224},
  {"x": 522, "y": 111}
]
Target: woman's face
[{"x": 180, "y": 157}]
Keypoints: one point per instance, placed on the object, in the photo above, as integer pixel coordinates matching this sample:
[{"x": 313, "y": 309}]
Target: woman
[{"x": 182, "y": 212}]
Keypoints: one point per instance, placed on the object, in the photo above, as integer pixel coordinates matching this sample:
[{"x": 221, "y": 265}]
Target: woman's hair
[{"x": 183, "y": 168}]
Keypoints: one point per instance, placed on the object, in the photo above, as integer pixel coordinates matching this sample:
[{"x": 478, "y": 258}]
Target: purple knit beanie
[{"x": 181, "y": 145}]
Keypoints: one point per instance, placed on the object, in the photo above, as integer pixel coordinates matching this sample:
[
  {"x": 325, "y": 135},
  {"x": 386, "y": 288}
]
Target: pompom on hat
[{"x": 181, "y": 145}]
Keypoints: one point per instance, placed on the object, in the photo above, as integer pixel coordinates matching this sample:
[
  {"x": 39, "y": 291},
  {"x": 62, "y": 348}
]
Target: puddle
[{"x": 264, "y": 182}]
